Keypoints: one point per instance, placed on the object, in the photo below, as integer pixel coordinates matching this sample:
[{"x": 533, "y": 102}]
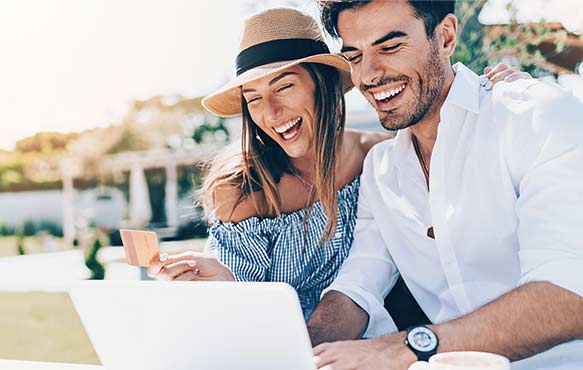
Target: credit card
[{"x": 140, "y": 246}]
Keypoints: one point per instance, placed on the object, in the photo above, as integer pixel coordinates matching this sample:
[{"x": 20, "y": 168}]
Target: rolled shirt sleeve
[
  {"x": 548, "y": 159},
  {"x": 369, "y": 273}
]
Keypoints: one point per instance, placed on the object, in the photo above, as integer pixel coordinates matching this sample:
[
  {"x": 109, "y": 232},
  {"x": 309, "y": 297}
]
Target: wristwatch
[{"x": 422, "y": 341}]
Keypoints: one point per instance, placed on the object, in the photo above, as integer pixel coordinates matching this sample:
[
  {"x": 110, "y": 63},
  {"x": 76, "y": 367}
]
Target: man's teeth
[
  {"x": 389, "y": 93},
  {"x": 286, "y": 126}
]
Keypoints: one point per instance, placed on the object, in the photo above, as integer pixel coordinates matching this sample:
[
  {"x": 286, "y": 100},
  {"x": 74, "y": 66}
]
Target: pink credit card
[{"x": 140, "y": 246}]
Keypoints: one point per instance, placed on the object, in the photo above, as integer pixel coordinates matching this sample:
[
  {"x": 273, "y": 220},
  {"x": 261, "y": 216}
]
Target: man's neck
[{"x": 425, "y": 130}]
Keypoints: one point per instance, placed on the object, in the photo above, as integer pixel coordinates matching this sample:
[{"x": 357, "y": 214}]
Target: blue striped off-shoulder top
[{"x": 278, "y": 249}]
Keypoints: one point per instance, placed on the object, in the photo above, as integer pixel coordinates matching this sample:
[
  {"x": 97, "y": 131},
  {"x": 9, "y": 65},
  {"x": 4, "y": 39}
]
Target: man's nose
[{"x": 370, "y": 70}]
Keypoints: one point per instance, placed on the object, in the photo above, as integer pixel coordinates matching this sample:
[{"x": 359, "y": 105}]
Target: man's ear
[{"x": 447, "y": 36}]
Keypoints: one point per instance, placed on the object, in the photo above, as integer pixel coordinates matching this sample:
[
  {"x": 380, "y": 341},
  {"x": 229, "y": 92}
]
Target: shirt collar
[
  {"x": 464, "y": 93},
  {"x": 465, "y": 89}
]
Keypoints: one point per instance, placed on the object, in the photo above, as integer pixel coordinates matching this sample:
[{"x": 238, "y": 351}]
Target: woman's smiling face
[{"x": 283, "y": 106}]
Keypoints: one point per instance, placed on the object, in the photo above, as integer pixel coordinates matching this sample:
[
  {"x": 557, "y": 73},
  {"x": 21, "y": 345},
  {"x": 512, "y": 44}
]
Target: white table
[{"x": 29, "y": 365}]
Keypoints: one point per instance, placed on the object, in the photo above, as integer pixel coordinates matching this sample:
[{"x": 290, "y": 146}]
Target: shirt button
[{"x": 338, "y": 234}]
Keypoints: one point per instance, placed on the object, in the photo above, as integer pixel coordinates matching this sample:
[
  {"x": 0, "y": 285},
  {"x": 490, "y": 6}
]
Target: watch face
[{"x": 422, "y": 339}]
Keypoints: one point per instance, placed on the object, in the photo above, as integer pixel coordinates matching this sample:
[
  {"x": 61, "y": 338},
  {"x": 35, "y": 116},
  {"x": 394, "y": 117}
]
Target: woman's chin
[{"x": 296, "y": 151}]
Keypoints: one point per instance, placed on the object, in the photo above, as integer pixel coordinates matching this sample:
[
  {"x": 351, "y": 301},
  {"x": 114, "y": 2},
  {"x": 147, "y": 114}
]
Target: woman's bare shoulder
[
  {"x": 365, "y": 140},
  {"x": 355, "y": 147},
  {"x": 229, "y": 206}
]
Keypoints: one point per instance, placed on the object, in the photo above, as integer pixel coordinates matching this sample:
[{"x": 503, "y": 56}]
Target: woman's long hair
[{"x": 260, "y": 162}]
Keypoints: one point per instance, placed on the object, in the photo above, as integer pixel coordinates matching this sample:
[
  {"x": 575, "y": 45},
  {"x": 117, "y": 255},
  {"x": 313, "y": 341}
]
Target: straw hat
[{"x": 274, "y": 40}]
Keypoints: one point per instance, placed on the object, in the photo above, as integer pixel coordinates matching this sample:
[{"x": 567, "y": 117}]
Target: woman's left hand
[
  {"x": 189, "y": 266},
  {"x": 501, "y": 72}
]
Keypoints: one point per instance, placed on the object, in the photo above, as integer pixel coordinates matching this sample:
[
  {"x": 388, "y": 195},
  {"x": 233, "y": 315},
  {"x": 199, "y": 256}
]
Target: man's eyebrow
[
  {"x": 389, "y": 36},
  {"x": 274, "y": 80},
  {"x": 348, "y": 48}
]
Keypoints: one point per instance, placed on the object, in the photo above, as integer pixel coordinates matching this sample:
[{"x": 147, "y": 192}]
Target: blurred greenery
[
  {"x": 158, "y": 123},
  {"x": 9, "y": 245},
  {"x": 515, "y": 43},
  {"x": 45, "y": 142},
  {"x": 31, "y": 228},
  {"x": 171, "y": 122},
  {"x": 93, "y": 264},
  {"x": 20, "y": 248},
  {"x": 211, "y": 129},
  {"x": 469, "y": 49}
]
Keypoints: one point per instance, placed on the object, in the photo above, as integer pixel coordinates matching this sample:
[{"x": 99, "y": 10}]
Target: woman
[{"x": 283, "y": 205}]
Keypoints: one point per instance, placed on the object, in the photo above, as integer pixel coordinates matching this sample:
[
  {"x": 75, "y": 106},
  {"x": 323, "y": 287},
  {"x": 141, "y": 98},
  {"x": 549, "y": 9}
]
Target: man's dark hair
[{"x": 431, "y": 12}]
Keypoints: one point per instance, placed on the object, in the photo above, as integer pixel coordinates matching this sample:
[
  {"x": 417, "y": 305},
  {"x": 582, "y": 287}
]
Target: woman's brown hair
[{"x": 260, "y": 162}]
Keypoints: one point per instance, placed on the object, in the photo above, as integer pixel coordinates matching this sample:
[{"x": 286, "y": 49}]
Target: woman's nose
[{"x": 273, "y": 110}]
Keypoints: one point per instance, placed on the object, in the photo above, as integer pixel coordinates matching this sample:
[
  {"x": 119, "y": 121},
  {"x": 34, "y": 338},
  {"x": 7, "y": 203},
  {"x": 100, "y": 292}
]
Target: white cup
[{"x": 463, "y": 361}]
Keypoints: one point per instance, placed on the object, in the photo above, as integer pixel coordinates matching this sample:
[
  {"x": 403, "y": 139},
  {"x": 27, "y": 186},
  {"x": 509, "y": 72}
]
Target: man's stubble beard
[{"x": 427, "y": 94}]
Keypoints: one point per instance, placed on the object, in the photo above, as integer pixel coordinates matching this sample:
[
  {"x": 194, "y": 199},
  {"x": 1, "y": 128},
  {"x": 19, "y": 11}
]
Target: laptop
[{"x": 151, "y": 325}]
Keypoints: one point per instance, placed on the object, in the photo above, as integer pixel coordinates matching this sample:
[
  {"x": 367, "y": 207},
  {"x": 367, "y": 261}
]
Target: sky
[{"x": 69, "y": 65}]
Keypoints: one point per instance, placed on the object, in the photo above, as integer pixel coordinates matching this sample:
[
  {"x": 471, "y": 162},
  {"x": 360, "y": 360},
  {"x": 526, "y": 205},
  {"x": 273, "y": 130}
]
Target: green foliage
[
  {"x": 514, "y": 43},
  {"x": 45, "y": 142},
  {"x": 20, "y": 246},
  {"x": 93, "y": 264},
  {"x": 152, "y": 124},
  {"x": 31, "y": 228},
  {"x": 28, "y": 171},
  {"x": 209, "y": 129},
  {"x": 7, "y": 230},
  {"x": 51, "y": 227},
  {"x": 130, "y": 139},
  {"x": 470, "y": 43}
]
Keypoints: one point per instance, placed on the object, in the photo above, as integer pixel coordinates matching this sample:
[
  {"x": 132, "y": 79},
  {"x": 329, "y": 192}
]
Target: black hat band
[{"x": 278, "y": 51}]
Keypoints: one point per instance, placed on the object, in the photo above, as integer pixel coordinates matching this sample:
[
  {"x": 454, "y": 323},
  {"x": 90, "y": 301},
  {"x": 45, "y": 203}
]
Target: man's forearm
[
  {"x": 526, "y": 321},
  {"x": 337, "y": 317}
]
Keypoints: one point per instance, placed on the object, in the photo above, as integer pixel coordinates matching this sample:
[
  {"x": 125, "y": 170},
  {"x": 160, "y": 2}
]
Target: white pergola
[{"x": 136, "y": 163}]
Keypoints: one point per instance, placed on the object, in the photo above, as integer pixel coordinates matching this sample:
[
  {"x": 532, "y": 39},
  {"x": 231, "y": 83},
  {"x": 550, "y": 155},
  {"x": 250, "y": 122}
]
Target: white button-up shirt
[{"x": 506, "y": 204}]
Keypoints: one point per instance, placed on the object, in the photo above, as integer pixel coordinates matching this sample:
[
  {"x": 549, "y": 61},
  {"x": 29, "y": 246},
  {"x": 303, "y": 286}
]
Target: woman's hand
[
  {"x": 501, "y": 72},
  {"x": 188, "y": 266}
]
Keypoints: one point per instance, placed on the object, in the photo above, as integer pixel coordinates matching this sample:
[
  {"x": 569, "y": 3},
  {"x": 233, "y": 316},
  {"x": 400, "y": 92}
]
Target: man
[{"x": 477, "y": 204}]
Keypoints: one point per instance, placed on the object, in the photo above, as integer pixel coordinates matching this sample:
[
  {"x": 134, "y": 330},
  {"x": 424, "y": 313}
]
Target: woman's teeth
[
  {"x": 388, "y": 93},
  {"x": 286, "y": 126},
  {"x": 289, "y": 130},
  {"x": 290, "y": 135}
]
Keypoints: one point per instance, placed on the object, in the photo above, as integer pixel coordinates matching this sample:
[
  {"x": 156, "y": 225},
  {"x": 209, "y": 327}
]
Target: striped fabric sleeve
[{"x": 243, "y": 252}]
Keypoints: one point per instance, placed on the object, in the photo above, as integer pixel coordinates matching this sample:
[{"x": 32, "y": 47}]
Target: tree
[
  {"x": 209, "y": 129},
  {"x": 470, "y": 46},
  {"x": 514, "y": 43}
]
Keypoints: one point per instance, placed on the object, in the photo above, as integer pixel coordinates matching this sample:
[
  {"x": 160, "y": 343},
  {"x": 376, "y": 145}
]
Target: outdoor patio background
[{"x": 87, "y": 87}]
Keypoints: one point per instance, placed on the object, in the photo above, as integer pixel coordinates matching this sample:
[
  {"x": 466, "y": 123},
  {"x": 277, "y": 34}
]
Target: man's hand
[{"x": 387, "y": 353}]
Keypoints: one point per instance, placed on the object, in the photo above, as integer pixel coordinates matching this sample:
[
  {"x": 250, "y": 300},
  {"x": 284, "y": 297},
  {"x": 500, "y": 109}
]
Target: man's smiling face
[{"x": 395, "y": 65}]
